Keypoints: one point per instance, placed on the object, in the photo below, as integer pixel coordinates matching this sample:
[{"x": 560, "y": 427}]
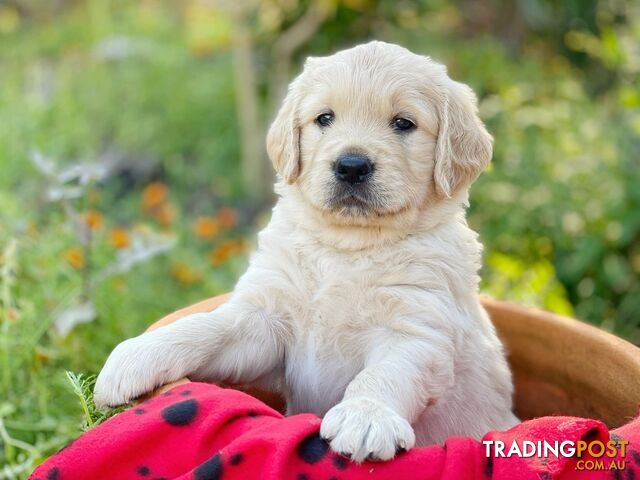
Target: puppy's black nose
[{"x": 352, "y": 168}]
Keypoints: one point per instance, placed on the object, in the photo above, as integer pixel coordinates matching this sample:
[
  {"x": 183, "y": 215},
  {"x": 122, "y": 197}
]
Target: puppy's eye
[
  {"x": 325, "y": 119},
  {"x": 402, "y": 124}
]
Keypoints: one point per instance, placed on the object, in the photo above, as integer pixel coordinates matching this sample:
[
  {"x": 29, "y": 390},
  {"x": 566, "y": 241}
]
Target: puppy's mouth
[{"x": 351, "y": 200}]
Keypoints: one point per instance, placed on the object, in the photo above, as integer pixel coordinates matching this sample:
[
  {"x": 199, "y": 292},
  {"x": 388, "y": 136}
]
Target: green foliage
[
  {"x": 82, "y": 386},
  {"x": 147, "y": 88}
]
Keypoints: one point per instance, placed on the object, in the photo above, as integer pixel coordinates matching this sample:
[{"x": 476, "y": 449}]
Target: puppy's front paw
[
  {"x": 133, "y": 368},
  {"x": 365, "y": 429}
]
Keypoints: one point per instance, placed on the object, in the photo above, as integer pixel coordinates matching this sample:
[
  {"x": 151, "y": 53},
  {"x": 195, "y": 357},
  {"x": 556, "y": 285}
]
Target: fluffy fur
[{"x": 360, "y": 304}]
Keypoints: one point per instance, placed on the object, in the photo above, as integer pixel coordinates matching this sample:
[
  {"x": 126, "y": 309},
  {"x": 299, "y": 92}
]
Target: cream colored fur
[{"x": 370, "y": 316}]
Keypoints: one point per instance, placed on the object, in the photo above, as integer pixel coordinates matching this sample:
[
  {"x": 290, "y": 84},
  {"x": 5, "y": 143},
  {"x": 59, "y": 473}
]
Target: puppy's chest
[
  {"x": 331, "y": 324},
  {"x": 336, "y": 302},
  {"x": 317, "y": 374}
]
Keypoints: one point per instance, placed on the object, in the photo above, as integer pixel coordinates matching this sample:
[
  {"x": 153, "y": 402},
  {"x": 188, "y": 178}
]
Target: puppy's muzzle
[{"x": 352, "y": 168}]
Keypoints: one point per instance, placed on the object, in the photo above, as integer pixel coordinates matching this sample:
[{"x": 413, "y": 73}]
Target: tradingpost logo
[{"x": 609, "y": 455}]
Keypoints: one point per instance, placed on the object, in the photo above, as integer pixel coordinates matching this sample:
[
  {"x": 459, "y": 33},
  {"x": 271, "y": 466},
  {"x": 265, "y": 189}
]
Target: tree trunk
[{"x": 256, "y": 172}]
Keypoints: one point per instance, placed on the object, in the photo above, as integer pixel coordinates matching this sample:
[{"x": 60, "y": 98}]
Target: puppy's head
[{"x": 375, "y": 131}]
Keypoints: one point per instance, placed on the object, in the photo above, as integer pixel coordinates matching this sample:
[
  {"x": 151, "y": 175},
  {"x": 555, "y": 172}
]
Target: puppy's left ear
[
  {"x": 283, "y": 138},
  {"x": 464, "y": 147}
]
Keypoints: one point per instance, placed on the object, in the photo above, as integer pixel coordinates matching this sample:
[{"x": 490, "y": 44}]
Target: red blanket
[{"x": 198, "y": 431}]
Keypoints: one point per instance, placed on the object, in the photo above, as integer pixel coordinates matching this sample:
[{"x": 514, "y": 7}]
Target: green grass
[
  {"x": 82, "y": 386},
  {"x": 40, "y": 409}
]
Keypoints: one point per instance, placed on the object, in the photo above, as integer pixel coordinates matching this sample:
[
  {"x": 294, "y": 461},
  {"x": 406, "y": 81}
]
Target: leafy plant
[{"x": 82, "y": 385}]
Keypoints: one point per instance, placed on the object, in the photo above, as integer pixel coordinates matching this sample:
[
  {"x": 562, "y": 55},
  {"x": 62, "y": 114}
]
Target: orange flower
[
  {"x": 153, "y": 195},
  {"x": 75, "y": 257},
  {"x": 224, "y": 251},
  {"x": 227, "y": 217},
  {"x": 164, "y": 214},
  {"x": 119, "y": 238},
  {"x": 42, "y": 357},
  {"x": 206, "y": 227},
  {"x": 11, "y": 314},
  {"x": 93, "y": 219},
  {"x": 218, "y": 256},
  {"x": 184, "y": 274}
]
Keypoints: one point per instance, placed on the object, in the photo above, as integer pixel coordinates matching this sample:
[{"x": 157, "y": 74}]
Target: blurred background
[{"x": 133, "y": 174}]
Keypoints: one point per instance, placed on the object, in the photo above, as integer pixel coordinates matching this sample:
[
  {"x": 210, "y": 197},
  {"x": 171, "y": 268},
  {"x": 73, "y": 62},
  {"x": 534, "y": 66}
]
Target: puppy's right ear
[
  {"x": 283, "y": 138},
  {"x": 464, "y": 146}
]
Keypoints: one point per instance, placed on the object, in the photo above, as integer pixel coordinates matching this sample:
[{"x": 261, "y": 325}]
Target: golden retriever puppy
[{"x": 361, "y": 301}]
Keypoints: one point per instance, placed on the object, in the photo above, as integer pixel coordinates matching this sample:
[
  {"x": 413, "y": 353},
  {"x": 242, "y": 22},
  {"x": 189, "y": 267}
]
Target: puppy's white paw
[
  {"x": 134, "y": 367},
  {"x": 365, "y": 429}
]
